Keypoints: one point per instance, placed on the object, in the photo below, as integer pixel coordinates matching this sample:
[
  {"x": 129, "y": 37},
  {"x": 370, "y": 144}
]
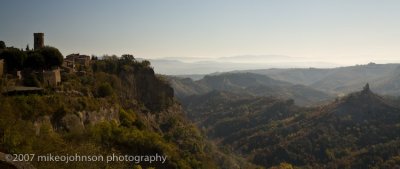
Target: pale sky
[{"x": 344, "y": 31}]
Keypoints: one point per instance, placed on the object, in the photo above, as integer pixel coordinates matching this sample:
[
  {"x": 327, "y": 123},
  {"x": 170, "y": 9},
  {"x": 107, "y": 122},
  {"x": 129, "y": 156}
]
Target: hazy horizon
[{"x": 339, "y": 33}]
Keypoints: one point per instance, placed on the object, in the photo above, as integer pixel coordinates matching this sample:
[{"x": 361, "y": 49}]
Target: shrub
[{"x": 104, "y": 90}]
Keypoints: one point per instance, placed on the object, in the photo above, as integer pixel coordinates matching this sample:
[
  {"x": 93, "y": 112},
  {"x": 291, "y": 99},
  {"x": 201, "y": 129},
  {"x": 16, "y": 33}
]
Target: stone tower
[{"x": 38, "y": 39}]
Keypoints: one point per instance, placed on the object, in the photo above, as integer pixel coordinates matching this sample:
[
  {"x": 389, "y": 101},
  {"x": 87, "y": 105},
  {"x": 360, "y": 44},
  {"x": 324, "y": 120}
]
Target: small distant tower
[{"x": 38, "y": 39}]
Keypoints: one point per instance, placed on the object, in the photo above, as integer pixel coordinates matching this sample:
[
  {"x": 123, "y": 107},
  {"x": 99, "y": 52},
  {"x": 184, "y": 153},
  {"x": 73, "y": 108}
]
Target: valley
[
  {"x": 207, "y": 84},
  {"x": 358, "y": 129}
]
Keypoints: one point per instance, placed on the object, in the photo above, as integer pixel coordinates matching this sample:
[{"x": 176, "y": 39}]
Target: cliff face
[
  {"x": 78, "y": 121},
  {"x": 120, "y": 106},
  {"x": 143, "y": 85}
]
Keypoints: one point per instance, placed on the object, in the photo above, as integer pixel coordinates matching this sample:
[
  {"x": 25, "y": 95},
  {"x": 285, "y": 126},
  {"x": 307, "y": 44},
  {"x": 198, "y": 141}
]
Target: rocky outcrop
[
  {"x": 155, "y": 93},
  {"x": 103, "y": 114},
  {"x": 77, "y": 122}
]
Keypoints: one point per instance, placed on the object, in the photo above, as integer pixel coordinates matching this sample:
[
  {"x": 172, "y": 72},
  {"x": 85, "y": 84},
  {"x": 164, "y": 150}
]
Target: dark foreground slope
[
  {"x": 361, "y": 130},
  {"x": 118, "y": 107}
]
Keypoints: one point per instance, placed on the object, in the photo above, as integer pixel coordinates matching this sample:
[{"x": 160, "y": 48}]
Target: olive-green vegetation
[
  {"x": 361, "y": 130},
  {"x": 34, "y": 61},
  {"x": 51, "y": 56},
  {"x": 119, "y": 106},
  {"x": 44, "y": 58}
]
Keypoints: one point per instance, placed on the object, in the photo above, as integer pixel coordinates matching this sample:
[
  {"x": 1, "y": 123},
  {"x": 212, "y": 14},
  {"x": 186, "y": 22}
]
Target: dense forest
[{"x": 360, "y": 130}]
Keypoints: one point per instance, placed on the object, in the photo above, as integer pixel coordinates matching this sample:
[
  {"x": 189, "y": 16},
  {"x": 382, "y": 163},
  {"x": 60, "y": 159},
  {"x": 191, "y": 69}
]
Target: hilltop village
[
  {"x": 82, "y": 105},
  {"x": 33, "y": 70}
]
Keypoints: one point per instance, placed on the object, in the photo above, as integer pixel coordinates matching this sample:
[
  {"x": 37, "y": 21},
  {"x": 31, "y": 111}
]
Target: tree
[
  {"x": 52, "y": 56},
  {"x": 128, "y": 58},
  {"x": 2, "y": 45},
  {"x": 34, "y": 61},
  {"x": 30, "y": 79},
  {"x": 104, "y": 90},
  {"x": 14, "y": 58},
  {"x": 146, "y": 63},
  {"x": 94, "y": 57},
  {"x": 27, "y": 48}
]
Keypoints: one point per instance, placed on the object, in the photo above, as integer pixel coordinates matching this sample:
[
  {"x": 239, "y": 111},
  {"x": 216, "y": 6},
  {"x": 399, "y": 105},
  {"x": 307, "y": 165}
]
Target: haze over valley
[{"x": 211, "y": 84}]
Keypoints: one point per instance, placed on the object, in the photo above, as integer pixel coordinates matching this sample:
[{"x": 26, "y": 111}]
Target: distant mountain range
[
  {"x": 187, "y": 65},
  {"x": 249, "y": 84},
  {"x": 383, "y": 78},
  {"x": 360, "y": 130}
]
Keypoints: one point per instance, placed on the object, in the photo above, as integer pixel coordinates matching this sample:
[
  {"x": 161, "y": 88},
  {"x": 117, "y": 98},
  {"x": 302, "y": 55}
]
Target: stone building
[
  {"x": 52, "y": 77},
  {"x": 38, "y": 40},
  {"x": 68, "y": 66},
  {"x": 77, "y": 59}
]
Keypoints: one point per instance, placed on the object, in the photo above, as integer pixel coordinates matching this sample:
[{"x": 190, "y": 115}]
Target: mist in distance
[{"x": 204, "y": 65}]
